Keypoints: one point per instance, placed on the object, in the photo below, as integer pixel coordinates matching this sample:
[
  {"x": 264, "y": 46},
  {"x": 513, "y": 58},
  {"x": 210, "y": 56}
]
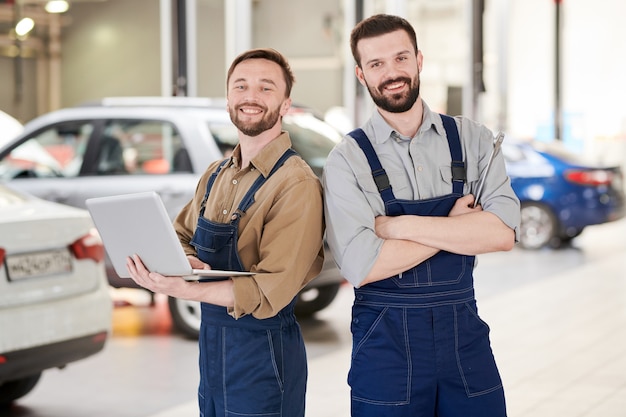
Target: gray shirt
[{"x": 418, "y": 168}]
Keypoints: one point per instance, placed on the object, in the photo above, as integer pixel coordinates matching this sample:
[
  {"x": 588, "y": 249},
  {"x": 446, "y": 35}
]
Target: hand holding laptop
[{"x": 138, "y": 224}]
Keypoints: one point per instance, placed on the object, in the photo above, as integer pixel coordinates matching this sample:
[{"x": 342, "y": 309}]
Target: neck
[
  {"x": 407, "y": 123},
  {"x": 251, "y": 145}
]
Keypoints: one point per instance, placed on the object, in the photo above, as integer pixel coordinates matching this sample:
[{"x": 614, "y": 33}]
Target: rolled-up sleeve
[
  {"x": 349, "y": 218},
  {"x": 290, "y": 251},
  {"x": 497, "y": 196}
]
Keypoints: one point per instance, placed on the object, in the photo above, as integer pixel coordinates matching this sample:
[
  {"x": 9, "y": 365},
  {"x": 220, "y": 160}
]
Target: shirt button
[
  {"x": 420, "y": 168},
  {"x": 235, "y": 182},
  {"x": 225, "y": 212}
]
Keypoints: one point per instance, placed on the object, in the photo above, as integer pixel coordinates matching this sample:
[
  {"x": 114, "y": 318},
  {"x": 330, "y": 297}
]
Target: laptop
[{"x": 139, "y": 224}]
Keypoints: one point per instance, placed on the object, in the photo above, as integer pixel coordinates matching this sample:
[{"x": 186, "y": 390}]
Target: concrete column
[
  {"x": 238, "y": 27},
  {"x": 167, "y": 72},
  {"x": 54, "y": 71}
]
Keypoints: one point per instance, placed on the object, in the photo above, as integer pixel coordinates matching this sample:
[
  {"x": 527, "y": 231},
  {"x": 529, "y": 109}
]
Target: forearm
[
  {"x": 469, "y": 234},
  {"x": 397, "y": 256},
  {"x": 218, "y": 293}
]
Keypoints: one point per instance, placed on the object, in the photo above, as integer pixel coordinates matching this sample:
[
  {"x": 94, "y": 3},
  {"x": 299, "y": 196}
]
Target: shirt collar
[
  {"x": 384, "y": 132},
  {"x": 265, "y": 160},
  {"x": 431, "y": 120}
]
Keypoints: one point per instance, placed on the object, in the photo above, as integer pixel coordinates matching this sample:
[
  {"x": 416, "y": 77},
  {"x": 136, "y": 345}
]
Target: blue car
[{"x": 560, "y": 195}]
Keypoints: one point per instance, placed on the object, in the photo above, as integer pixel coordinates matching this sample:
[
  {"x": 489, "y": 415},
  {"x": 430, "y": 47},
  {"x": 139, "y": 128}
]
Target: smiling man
[
  {"x": 402, "y": 228},
  {"x": 259, "y": 210}
]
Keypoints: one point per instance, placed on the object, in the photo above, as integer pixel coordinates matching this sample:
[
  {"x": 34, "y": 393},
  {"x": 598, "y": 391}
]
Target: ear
[
  {"x": 284, "y": 108},
  {"x": 359, "y": 75},
  {"x": 420, "y": 60}
]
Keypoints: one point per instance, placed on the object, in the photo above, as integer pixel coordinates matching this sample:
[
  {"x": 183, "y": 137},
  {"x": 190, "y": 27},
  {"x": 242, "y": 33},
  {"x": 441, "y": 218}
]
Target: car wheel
[
  {"x": 538, "y": 226},
  {"x": 186, "y": 316},
  {"x": 12, "y": 390},
  {"x": 315, "y": 299}
]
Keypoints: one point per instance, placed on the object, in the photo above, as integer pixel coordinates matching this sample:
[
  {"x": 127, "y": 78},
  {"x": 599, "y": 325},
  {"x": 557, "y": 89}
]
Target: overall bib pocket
[
  {"x": 212, "y": 240},
  {"x": 423, "y": 275}
]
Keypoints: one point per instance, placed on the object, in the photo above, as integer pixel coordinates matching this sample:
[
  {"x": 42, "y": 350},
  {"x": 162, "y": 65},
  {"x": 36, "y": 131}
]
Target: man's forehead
[
  {"x": 389, "y": 44},
  {"x": 257, "y": 69}
]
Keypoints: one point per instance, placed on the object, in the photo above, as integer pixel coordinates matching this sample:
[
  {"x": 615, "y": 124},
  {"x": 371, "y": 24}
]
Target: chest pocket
[
  {"x": 445, "y": 172},
  {"x": 213, "y": 239},
  {"x": 216, "y": 244},
  {"x": 399, "y": 183},
  {"x": 443, "y": 269}
]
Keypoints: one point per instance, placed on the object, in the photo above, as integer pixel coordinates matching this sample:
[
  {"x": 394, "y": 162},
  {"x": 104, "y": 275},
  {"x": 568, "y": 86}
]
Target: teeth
[
  {"x": 396, "y": 85},
  {"x": 251, "y": 111}
]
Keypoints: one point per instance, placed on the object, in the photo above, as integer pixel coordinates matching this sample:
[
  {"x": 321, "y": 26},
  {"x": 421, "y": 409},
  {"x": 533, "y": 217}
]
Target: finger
[
  {"x": 130, "y": 265},
  {"x": 141, "y": 268}
]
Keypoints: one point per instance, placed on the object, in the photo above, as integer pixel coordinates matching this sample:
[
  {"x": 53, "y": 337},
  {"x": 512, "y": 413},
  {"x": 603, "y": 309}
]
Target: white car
[
  {"x": 122, "y": 145},
  {"x": 55, "y": 305}
]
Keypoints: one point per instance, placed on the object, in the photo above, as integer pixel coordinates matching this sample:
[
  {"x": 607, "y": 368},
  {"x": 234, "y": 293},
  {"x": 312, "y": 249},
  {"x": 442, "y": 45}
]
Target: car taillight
[
  {"x": 593, "y": 178},
  {"x": 2, "y": 255},
  {"x": 89, "y": 247}
]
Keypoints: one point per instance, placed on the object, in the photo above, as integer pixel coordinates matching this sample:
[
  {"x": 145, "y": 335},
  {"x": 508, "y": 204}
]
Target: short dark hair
[
  {"x": 271, "y": 55},
  {"x": 377, "y": 25}
]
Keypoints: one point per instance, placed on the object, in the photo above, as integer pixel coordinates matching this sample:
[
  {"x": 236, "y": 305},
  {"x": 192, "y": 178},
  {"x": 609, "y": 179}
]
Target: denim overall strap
[
  {"x": 248, "y": 199},
  {"x": 378, "y": 172},
  {"x": 454, "y": 143},
  {"x": 382, "y": 179},
  {"x": 209, "y": 185}
]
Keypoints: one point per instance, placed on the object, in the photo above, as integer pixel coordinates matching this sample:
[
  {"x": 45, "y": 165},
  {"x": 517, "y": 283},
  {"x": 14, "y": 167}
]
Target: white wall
[{"x": 593, "y": 82}]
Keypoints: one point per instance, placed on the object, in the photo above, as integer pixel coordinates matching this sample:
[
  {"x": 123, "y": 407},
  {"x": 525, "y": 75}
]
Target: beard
[
  {"x": 396, "y": 103},
  {"x": 254, "y": 128}
]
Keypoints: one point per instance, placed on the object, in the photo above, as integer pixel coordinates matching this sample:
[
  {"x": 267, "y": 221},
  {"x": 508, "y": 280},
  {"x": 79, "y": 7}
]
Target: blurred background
[
  {"x": 540, "y": 69},
  {"x": 546, "y": 72}
]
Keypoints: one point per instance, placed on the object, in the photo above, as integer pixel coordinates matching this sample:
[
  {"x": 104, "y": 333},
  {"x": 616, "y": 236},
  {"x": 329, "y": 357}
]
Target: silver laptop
[{"x": 138, "y": 224}]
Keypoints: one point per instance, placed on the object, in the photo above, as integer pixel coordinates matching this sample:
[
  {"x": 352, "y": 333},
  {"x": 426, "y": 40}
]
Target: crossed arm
[{"x": 410, "y": 240}]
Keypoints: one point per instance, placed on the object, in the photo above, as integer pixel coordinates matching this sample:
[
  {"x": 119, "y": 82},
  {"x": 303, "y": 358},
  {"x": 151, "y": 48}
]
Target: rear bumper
[
  {"x": 27, "y": 362},
  {"x": 53, "y": 322}
]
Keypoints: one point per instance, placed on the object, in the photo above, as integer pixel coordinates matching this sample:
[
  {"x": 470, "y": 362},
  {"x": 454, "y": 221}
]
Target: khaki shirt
[{"x": 280, "y": 236}]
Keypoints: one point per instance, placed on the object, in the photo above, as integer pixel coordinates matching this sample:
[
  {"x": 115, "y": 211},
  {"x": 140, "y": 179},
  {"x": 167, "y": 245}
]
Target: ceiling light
[
  {"x": 24, "y": 26},
  {"x": 57, "y": 6}
]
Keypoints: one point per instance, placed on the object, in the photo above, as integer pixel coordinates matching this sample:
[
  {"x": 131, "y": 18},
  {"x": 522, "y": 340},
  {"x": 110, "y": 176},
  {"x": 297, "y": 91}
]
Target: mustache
[{"x": 250, "y": 104}]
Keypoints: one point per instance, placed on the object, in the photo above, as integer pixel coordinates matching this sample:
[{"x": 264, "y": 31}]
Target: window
[
  {"x": 57, "y": 151},
  {"x": 139, "y": 147}
]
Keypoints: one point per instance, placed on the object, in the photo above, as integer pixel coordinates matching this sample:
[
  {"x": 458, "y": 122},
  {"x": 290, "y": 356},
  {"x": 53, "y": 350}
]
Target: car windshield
[{"x": 53, "y": 152}]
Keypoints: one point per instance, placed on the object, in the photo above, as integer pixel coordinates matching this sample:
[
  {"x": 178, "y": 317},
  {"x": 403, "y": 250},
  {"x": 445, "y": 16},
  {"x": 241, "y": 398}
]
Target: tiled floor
[{"x": 560, "y": 343}]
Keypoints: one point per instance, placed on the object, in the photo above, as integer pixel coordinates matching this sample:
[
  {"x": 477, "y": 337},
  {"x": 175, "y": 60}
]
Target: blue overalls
[
  {"x": 248, "y": 366},
  {"x": 419, "y": 347}
]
